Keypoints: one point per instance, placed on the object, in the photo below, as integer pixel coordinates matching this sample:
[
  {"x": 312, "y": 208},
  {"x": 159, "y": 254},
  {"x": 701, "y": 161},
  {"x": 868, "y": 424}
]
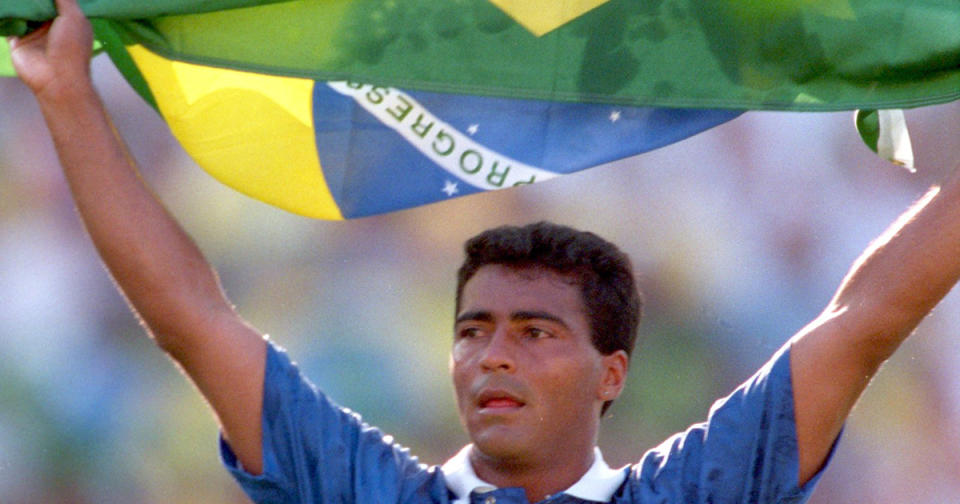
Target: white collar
[{"x": 598, "y": 484}]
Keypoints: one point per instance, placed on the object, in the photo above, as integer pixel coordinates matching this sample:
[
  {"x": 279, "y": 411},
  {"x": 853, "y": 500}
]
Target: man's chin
[{"x": 501, "y": 447}]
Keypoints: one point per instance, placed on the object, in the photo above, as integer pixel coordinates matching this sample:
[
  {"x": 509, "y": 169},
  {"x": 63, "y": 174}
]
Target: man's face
[{"x": 528, "y": 380}]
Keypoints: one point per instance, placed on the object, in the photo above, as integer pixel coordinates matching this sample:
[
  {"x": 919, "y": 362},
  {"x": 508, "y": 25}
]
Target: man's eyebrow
[
  {"x": 476, "y": 316},
  {"x": 537, "y": 315},
  {"x": 517, "y": 316}
]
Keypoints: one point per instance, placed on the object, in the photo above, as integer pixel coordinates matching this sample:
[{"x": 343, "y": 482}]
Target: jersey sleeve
[
  {"x": 746, "y": 451},
  {"x": 317, "y": 451}
]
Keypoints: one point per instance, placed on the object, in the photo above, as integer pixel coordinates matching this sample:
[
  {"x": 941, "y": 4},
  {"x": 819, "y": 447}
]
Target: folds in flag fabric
[
  {"x": 299, "y": 102},
  {"x": 783, "y": 54},
  {"x": 342, "y": 149}
]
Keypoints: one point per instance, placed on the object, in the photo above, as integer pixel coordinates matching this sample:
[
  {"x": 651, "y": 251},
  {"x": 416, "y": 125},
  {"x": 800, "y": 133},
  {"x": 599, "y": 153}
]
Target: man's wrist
[{"x": 67, "y": 92}]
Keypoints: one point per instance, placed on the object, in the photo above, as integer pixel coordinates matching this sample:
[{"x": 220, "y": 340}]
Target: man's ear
[{"x": 615, "y": 366}]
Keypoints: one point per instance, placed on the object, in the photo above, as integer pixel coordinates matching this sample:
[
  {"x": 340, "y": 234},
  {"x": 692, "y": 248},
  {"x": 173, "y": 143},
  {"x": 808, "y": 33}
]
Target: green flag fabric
[
  {"x": 776, "y": 54},
  {"x": 27, "y": 11}
]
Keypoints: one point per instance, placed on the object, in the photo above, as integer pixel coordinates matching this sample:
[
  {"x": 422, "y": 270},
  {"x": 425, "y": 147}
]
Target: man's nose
[{"x": 498, "y": 354}]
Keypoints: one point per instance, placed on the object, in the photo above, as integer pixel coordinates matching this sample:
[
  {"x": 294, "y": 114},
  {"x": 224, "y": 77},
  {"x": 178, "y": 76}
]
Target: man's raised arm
[
  {"x": 901, "y": 276},
  {"x": 154, "y": 263}
]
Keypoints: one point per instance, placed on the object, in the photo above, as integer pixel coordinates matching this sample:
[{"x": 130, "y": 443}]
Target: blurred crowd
[{"x": 740, "y": 236}]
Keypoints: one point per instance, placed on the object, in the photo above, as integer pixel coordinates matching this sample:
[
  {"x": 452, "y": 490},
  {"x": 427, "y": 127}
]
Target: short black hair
[{"x": 602, "y": 271}]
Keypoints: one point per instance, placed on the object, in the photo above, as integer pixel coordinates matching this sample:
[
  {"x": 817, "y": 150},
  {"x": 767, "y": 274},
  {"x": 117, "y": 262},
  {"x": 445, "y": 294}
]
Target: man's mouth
[
  {"x": 498, "y": 400},
  {"x": 501, "y": 403}
]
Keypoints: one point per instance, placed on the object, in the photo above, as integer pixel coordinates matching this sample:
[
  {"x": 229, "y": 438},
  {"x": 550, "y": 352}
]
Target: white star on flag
[
  {"x": 450, "y": 188},
  {"x": 615, "y": 116},
  {"x": 472, "y": 129}
]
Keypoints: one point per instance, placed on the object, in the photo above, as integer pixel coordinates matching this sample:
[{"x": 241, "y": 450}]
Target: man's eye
[
  {"x": 537, "y": 333},
  {"x": 468, "y": 332}
]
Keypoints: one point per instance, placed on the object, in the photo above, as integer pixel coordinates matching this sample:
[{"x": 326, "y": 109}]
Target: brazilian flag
[{"x": 344, "y": 108}]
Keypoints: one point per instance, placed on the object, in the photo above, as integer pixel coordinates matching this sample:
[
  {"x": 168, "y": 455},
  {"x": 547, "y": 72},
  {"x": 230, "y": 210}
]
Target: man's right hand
[{"x": 56, "y": 57}]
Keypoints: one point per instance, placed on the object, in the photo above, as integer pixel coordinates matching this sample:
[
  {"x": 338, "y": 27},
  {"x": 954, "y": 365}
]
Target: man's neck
[{"x": 538, "y": 479}]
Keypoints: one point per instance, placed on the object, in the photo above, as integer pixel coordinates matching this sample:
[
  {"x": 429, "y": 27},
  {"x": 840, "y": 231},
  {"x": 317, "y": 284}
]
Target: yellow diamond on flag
[{"x": 542, "y": 16}]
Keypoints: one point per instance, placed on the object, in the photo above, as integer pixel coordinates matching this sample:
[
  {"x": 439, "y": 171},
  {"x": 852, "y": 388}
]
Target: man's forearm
[
  {"x": 156, "y": 265},
  {"x": 153, "y": 261},
  {"x": 159, "y": 269},
  {"x": 907, "y": 270},
  {"x": 901, "y": 276}
]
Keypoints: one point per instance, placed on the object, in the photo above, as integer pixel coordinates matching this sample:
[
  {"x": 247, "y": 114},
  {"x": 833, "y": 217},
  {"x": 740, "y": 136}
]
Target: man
[{"x": 529, "y": 362}]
